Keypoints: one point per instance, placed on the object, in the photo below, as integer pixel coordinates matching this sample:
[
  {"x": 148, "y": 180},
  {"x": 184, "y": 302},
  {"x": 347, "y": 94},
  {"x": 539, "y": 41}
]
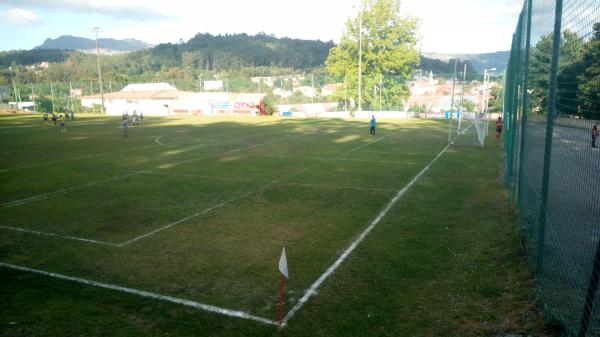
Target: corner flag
[
  {"x": 283, "y": 264},
  {"x": 283, "y": 272}
]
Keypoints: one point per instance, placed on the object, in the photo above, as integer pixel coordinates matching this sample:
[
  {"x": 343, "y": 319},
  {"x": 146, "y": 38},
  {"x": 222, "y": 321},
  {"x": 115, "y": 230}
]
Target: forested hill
[
  {"x": 219, "y": 52},
  {"x": 204, "y": 51},
  {"x": 67, "y": 42}
]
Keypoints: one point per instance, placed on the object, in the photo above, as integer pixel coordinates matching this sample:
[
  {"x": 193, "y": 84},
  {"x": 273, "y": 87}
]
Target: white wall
[
  {"x": 385, "y": 114},
  {"x": 116, "y": 107}
]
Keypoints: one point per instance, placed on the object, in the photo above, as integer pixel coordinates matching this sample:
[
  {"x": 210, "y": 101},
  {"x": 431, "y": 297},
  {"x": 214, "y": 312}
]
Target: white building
[
  {"x": 149, "y": 98},
  {"x": 162, "y": 99}
]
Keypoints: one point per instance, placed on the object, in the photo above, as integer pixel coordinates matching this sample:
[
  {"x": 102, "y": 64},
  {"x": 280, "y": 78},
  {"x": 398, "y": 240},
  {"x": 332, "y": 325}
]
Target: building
[
  {"x": 219, "y": 103},
  {"x": 162, "y": 99},
  {"x": 150, "y": 98}
]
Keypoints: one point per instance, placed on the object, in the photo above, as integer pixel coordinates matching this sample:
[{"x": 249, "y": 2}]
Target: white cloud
[
  {"x": 19, "y": 16},
  {"x": 465, "y": 26},
  {"x": 133, "y": 9},
  {"x": 458, "y": 26}
]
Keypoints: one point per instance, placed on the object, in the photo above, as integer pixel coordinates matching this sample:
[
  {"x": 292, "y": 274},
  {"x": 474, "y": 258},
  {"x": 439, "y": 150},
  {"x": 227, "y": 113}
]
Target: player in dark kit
[
  {"x": 373, "y": 126},
  {"x": 498, "y": 127}
]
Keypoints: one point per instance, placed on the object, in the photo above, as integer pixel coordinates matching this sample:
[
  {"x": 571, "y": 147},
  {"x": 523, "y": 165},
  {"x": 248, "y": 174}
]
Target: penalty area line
[
  {"x": 369, "y": 143},
  {"x": 75, "y": 238},
  {"x": 64, "y": 190},
  {"x": 145, "y": 294},
  {"x": 315, "y": 286}
]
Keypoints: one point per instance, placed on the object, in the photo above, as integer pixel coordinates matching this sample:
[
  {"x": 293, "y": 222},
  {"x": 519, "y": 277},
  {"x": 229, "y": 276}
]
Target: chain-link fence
[{"x": 551, "y": 109}]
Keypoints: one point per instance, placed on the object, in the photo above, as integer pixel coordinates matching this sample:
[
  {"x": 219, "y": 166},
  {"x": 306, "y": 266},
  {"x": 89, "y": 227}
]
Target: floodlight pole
[
  {"x": 452, "y": 102},
  {"x": 462, "y": 97},
  {"x": 96, "y": 30},
  {"x": 312, "y": 81},
  {"x": 52, "y": 96},
  {"x": 33, "y": 97},
  {"x": 346, "y": 93},
  {"x": 360, "y": 19}
]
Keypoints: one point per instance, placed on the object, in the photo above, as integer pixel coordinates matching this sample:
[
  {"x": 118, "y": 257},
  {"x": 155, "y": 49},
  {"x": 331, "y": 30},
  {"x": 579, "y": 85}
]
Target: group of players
[
  {"x": 59, "y": 118},
  {"x": 135, "y": 120}
]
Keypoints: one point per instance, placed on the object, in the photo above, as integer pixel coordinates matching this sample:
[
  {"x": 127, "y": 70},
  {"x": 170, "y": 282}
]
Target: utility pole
[
  {"x": 96, "y": 30},
  {"x": 345, "y": 93},
  {"x": 312, "y": 81},
  {"x": 360, "y": 19},
  {"x": 462, "y": 97},
  {"x": 380, "y": 92},
  {"x": 452, "y": 103},
  {"x": 33, "y": 97},
  {"x": 52, "y": 95},
  {"x": 15, "y": 93},
  {"x": 484, "y": 94}
]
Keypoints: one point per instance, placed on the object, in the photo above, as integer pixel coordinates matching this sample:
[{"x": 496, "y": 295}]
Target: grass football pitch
[{"x": 177, "y": 230}]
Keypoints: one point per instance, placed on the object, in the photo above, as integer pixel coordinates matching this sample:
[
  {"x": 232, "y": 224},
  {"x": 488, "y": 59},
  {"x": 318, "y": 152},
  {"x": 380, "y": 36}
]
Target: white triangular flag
[{"x": 283, "y": 264}]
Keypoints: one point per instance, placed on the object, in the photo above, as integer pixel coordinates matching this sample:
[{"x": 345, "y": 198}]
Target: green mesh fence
[{"x": 551, "y": 104}]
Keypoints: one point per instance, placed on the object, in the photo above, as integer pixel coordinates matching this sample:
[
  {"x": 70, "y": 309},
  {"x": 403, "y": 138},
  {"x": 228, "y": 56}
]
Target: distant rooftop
[{"x": 149, "y": 87}]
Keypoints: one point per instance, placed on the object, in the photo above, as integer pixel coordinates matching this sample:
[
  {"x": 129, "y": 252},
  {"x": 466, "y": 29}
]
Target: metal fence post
[
  {"x": 591, "y": 296},
  {"x": 515, "y": 107},
  {"x": 549, "y": 132},
  {"x": 525, "y": 95}
]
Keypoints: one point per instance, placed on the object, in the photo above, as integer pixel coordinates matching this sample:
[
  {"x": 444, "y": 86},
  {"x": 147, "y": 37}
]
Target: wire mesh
[{"x": 552, "y": 102}]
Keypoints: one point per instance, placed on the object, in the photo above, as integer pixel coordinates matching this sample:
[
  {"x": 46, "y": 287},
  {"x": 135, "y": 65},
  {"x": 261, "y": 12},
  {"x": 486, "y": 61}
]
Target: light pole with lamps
[
  {"x": 96, "y": 30},
  {"x": 360, "y": 17}
]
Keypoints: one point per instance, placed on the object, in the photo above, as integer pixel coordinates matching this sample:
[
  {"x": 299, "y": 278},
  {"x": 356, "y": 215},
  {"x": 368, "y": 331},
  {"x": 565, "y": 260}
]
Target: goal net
[{"x": 474, "y": 124}]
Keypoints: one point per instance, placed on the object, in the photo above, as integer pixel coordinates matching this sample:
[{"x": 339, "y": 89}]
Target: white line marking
[
  {"x": 146, "y": 294},
  {"x": 331, "y": 187},
  {"x": 157, "y": 140},
  {"x": 232, "y": 151},
  {"x": 64, "y": 190},
  {"x": 273, "y": 181},
  {"x": 191, "y": 216},
  {"x": 330, "y": 159},
  {"x": 198, "y": 176},
  {"x": 313, "y": 288},
  {"x": 369, "y": 143},
  {"x": 17, "y": 229},
  {"x": 76, "y": 158},
  {"x": 403, "y": 153},
  {"x": 22, "y": 201},
  {"x": 219, "y": 141}
]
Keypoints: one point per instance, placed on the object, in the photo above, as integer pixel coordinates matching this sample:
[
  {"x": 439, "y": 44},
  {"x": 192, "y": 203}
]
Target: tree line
[{"x": 578, "y": 85}]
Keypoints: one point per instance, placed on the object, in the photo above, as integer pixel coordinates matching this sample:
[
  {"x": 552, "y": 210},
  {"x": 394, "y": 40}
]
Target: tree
[
  {"x": 571, "y": 47},
  {"x": 589, "y": 87},
  {"x": 468, "y": 105},
  {"x": 388, "y": 49},
  {"x": 416, "y": 107},
  {"x": 43, "y": 104},
  {"x": 495, "y": 101}
]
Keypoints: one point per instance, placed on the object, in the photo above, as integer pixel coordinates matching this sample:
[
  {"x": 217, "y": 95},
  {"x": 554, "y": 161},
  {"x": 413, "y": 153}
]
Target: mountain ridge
[
  {"x": 70, "y": 42},
  {"x": 498, "y": 60}
]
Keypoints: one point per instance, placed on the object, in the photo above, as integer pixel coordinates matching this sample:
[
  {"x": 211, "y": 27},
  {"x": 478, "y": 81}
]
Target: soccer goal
[{"x": 477, "y": 121}]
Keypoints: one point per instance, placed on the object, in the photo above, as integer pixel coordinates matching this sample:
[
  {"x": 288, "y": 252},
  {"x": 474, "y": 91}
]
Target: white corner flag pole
[{"x": 283, "y": 272}]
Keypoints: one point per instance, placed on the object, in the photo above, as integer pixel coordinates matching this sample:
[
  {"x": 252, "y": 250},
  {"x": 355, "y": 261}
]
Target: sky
[{"x": 457, "y": 26}]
